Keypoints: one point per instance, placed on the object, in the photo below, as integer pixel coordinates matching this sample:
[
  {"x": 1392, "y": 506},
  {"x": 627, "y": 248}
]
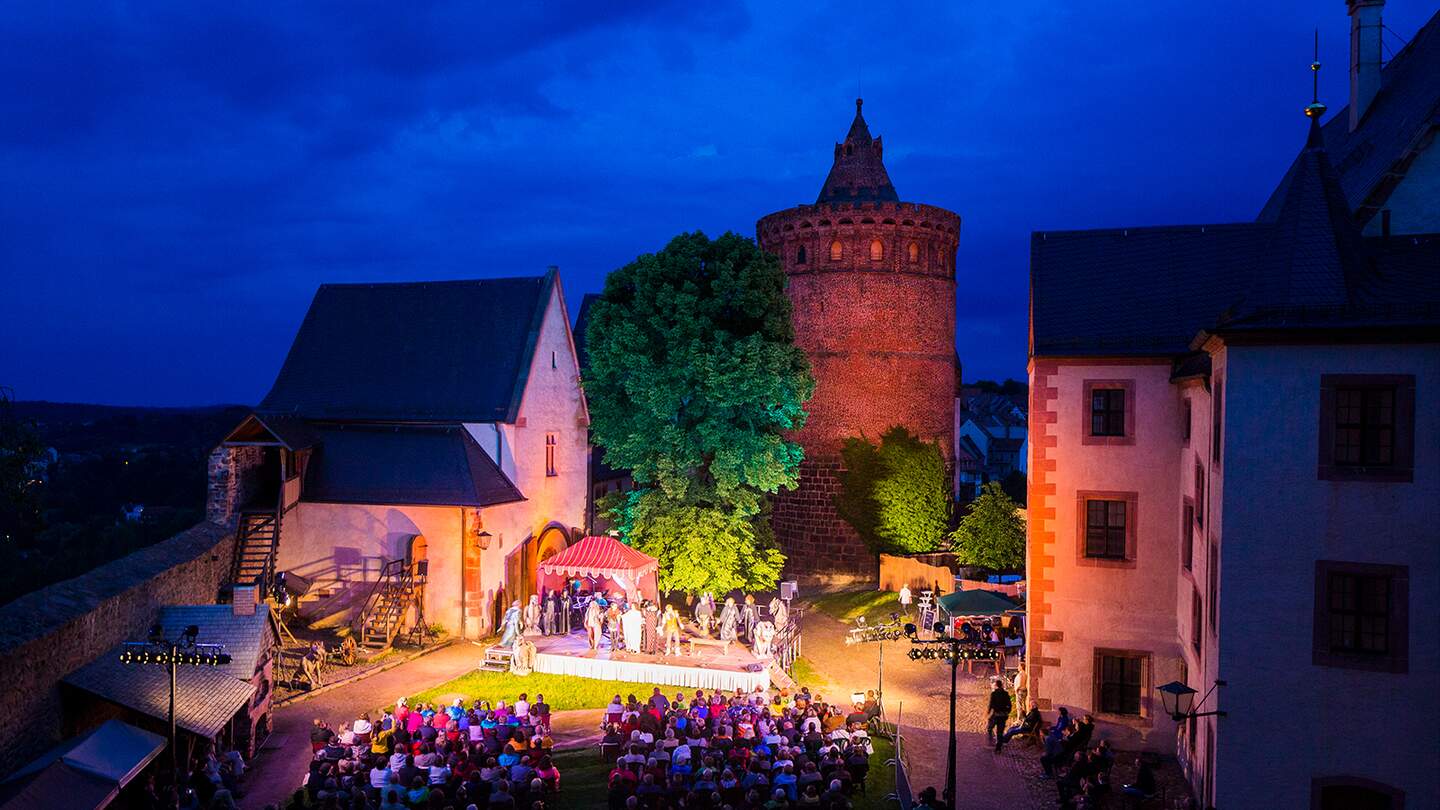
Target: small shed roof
[
  {"x": 245, "y": 638},
  {"x": 600, "y": 556},
  {"x": 205, "y": 697}
]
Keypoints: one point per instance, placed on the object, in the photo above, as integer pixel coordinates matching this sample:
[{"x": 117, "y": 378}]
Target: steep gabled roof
[
  {"x": 410, "y": 465},
  {"x": 858, "y": 174},
  {"x": 245, "y": 638},
  {"x": 448, "y": 351}
]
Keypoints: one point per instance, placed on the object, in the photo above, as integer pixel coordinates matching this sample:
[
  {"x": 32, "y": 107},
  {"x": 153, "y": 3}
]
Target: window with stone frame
[
  {"x": 1120, "y": 677},
  {"x": 1197, "y": 619},
  {"x": 1362, "y": 616},
  {"x": 550, "y": 445},
  {"x": 913, "y": 253},
  {"x": 1199, "y": 496},
  {"x": 1367, "y": 427},
  {"x": 1187, "y": 535},
  {"x": 877, "y": 250},
  {"x": 1109, "y": 412},
  {"x": 837, "y": 251}
]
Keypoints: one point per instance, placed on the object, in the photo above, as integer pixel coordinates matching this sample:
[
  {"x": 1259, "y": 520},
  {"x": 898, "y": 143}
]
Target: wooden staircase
[
  {"x": 387, "y": 606},
  {"x": 256, "y": 541}
]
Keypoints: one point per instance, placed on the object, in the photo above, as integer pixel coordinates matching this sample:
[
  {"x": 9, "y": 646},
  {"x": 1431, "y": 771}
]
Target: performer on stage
[
  {"x": 511, "y": 623},
  {"x": 594, "y": 618},
  {"x": 729, "y": 620},
  {"x": 704, "y": 613},
  {"x": 764, "y": 635},
  {"x": 532, "y": 615},
  {"x": 779, "y": 614},
  {"x": 670, "y": 624},
  {"x": 612, "y": 623},
  {"x": 630, "y": 623},
  {"x": 550, "y": 617},
  {"x": 650, "y": 629},
  {"x": 749, "y": 615}
]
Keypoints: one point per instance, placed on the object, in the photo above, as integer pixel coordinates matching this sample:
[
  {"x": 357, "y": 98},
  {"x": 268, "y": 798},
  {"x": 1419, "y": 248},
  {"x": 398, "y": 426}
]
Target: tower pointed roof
[
  {"x": 1315, "y": 255},
  {"x": 858, "y": 174}
]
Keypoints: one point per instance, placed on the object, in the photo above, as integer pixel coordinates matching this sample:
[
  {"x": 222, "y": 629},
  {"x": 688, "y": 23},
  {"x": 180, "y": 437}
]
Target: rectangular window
[
  {"x": 1187, "y": 535},
  {"x": 1361, "y": 615},
  {"x": 1105, "y": 529},
  {"x": 1217, "y": 418},
  {"x": 1212, "y": 573},
  {"x": 1199, "y": 496},
  {"x": 1107, "y": 412},
  {"x": 1197, "y": 619},
  {"x": 1119, "y": 682},
  {"x": 1185, "y": 421},
  {"x": 1367, "y": 427},
  {"x": 550, "y": 440}
]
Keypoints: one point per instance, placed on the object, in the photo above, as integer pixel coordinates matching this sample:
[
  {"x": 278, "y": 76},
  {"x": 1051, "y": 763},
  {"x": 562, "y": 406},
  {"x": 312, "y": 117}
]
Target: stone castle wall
[
  {"x": 50, "y": 633},
  {"x": 872, "y": 286},
  {"x": 234, "y": 473}
]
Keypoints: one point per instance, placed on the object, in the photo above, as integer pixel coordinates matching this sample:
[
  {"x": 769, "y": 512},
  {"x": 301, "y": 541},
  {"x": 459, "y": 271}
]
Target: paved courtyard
[{"x": 919, "y": 691}]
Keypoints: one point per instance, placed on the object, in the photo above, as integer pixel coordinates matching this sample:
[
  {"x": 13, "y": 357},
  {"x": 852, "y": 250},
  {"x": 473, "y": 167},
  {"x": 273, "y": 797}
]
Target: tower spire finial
[
  {"x": 1315, "y": 109},
  {"x": 859, "y": 102}
]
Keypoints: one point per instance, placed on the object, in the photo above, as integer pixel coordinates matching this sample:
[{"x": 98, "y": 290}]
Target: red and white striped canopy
[{"x": 598, "y": 556}]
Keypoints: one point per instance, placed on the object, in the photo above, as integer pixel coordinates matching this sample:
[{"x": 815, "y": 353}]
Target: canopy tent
[
  {"x": 977, "y": 603},
  {"x": 609, "y": 562},
  {"x": 86, "y": 771}
]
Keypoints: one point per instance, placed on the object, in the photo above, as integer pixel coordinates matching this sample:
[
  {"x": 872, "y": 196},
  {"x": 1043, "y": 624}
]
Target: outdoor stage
[{"x": 709, "y": 669}]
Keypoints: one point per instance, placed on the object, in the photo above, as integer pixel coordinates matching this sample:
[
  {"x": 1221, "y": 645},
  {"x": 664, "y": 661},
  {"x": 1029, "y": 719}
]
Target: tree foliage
[
  {"x": 21, "y": 457},
  {"x": 992, "y": 532},
  {"x": 897, "y": 494},
  {"x": 692, "y": 378}
]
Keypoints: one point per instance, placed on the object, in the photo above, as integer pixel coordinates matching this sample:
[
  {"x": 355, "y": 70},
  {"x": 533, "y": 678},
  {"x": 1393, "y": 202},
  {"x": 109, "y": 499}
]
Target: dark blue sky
[{"x": 175, "y": 183}]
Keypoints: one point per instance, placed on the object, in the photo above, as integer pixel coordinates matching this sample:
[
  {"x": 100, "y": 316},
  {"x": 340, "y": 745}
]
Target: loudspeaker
[
  {"x": 422, "y": 568},
  {"x": 789, "y": 590}
]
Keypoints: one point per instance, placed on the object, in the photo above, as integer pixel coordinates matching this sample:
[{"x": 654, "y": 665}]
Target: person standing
[
  {"x": 594, "y": 618},
  {"x": 749, "y": 616},
  {"x": 550, "y": 614},
  {"x": 999, "y": 712},
  {"x": 729, "y": 619},
  {"x": 671, "y": 624},
  {"x": 905, "y": 599},
  {"x": 650, "y": 629}
]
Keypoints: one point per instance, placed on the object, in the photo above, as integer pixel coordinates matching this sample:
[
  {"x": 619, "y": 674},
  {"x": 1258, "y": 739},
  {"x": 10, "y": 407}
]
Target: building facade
[
  {"x": 872, "y": 284},
  {"x": 1232, "y": 477},
  {"x": 438, "y": 429}
]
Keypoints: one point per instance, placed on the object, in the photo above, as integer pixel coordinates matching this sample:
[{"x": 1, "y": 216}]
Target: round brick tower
[{"x": 872, "y": 281}]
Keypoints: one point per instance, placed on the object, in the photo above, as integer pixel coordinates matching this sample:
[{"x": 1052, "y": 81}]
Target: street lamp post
[
  {"x": 953, "y": 654},
  {"x": 1179, "y": 701}
]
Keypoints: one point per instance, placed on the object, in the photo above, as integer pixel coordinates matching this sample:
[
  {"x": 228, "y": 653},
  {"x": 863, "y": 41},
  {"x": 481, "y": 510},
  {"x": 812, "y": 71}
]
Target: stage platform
[{"x": 708, "y": 669}]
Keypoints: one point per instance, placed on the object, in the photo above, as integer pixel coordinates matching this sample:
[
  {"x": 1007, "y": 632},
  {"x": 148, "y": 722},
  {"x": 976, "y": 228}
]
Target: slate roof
[
  {"x": 245, "y": 638},
  {"x": 858, "y": 173},
  {"x": 1405, "y": 108},
  {"x": 205, "y": 697},
  {"x": 293, "y": 432},
  {"x": 439, "y": 465},
  {"x": 448, "y": 351}
]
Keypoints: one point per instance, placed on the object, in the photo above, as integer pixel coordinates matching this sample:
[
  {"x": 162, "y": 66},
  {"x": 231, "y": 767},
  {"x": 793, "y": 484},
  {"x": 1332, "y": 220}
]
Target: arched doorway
[{"x": 520, "y": 565}]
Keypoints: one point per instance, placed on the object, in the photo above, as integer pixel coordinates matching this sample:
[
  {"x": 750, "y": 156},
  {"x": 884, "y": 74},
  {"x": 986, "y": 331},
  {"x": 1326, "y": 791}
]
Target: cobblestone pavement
[
  {"x": 917, "y": 693},
  {"x": 278, "y": 770}
]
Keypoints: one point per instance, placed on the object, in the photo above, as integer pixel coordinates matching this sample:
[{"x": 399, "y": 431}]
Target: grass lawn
[
  {"x": 562, "y": 692},
  {"x": 582, "y": 780},
  {"x": 847, "y": 606}
]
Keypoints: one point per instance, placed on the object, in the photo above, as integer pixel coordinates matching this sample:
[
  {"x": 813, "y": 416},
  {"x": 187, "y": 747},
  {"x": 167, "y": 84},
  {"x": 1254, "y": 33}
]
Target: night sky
[{"x": 174, "y": 183}]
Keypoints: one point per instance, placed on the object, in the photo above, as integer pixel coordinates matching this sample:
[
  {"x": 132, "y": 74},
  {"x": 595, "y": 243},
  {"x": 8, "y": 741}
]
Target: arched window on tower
[
  {"x": 837, "y": 251},
  {"x": 877, "y": 250},
  {"x": 800, "y": 255},
  {"x": 914, "y": 253}
]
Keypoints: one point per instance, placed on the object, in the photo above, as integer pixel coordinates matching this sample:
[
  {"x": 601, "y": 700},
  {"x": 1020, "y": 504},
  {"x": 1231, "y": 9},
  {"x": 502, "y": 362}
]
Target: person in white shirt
[
  {"x": 380, "y": 776},
  {"x": 439, "y": 773},
  {"x": 522, "y": 706},
  {"x": 362, "y": 725}
]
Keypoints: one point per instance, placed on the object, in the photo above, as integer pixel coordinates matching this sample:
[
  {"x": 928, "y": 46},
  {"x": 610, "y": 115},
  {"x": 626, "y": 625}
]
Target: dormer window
[
  {"x": 837, "y": 251},
  {"x": 877, "y": 250}
]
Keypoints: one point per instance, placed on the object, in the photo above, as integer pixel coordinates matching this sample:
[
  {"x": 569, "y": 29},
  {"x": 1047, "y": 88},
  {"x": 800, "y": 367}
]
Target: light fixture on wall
[
  {"x": 1179, "y": 701},
  {"x": 483, "y": 540}
]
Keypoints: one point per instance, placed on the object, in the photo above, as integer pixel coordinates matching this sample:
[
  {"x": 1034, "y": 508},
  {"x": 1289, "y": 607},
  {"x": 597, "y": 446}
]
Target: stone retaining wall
[{"x": 47, "y": 634}]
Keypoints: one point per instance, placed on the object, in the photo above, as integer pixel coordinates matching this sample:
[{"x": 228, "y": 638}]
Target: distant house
[
  {"x": 428, "y": 435},
  {"x": 990, "y": 440}
]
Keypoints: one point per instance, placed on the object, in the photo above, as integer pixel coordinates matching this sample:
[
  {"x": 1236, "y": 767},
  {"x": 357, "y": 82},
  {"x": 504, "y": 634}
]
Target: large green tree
[
  {"x": 992, "y": 533},
  {"x": 693, "y": 377},
  {"x": 896, "y": 494}
]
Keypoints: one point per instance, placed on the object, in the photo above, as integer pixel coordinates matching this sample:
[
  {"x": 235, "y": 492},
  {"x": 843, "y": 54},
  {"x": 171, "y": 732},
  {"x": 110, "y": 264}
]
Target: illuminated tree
[
  {"x": 692, "y": 379},
  {"x": 897, "y": 494},
  {"x": 992, "y": 533}
]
